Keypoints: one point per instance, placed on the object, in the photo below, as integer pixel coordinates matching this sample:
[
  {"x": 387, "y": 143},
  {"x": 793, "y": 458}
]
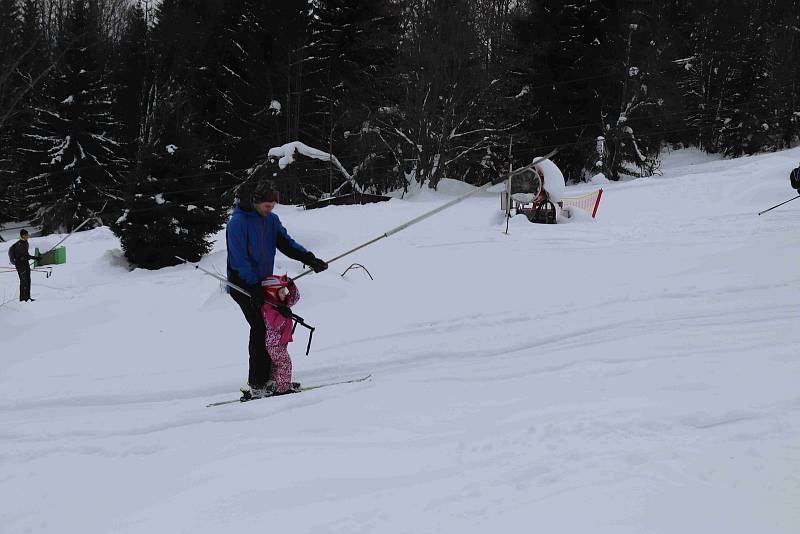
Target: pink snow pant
[{"x": 281, "y": 367}]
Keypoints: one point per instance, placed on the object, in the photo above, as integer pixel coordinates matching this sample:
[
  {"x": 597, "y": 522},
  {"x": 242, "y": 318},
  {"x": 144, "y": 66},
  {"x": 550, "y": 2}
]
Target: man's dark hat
[{"x": 265, "y": 191}]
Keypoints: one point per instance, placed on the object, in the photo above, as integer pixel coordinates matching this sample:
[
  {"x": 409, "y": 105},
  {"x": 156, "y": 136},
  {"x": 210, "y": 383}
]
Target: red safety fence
[{"x": 588, "y": 202}]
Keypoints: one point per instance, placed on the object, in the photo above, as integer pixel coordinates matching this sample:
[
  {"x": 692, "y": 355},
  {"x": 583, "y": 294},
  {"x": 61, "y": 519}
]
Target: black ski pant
[
  {"x": 260, "y": 362},
  {"x": 24, "y": 283}
]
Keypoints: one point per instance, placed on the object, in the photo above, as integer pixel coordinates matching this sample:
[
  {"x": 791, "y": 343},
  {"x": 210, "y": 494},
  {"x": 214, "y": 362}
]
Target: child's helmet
[{"x": 276, "y": 287}]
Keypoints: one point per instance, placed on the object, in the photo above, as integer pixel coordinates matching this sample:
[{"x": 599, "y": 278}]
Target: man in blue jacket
[{"x": 253, "y": 235}]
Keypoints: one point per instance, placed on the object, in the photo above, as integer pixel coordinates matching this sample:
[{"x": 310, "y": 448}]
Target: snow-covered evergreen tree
[
  {"x": 10, "y": 111},
  {"x": 711, "y": 68},
  {"x": 443, "y": 124},
  {"x": 168, "y": 211},
  {"x": 627, "y": 151},
  {"x": 352, "y": 74},
  {"x": 174, "y": 195},
  {"x": 568, "y": 60},
  {"x": 79, "y": 159},
  {"x": 785, "y": 74},
  {"x": 132, "y": 59},
  {"x": 749, "y": 119}
]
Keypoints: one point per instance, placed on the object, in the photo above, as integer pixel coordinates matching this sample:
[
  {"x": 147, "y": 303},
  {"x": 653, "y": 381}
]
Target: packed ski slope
[{"x": 634, "y": 374}]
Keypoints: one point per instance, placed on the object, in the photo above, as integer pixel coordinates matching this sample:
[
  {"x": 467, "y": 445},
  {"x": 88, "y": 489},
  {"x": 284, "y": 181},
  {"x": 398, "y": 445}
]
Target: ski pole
[
  {"x": 781, "y": 204},
  {"x": 430, "y": 213}
]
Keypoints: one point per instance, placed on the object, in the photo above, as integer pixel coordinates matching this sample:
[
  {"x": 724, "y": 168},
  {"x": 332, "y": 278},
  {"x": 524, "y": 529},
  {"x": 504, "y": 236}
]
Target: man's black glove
[
  {"x": 286, "y": 311},
  {"x": 256, "y": 296},
  {"x": 315, "y": 263}
]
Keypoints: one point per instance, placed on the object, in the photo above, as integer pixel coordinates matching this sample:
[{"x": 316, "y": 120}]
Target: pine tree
[
  {"x": 586, "y": 73},
  {"x": 174, "y": 194},
  {"x": 10, "y": 124},
  {"x": 168, "y": 212},
  {"x": 78, "y": 157},
  {"x": 246, "y": 80},
  {"x": 709, "y": 70},
  {"x": 784, "y": 17},
  {"x": 633, "y": 125},
  {"x": 570, "y": 57},
  {"x": 130, "y": 73},
  {"x": 442, "y": 125},
  {"x": 669, "y": 24},
  {"x": 752, "y": 118},
  {"x": 351, "y": 76}
]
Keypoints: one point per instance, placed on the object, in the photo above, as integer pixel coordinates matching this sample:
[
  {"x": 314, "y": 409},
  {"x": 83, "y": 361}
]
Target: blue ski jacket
[{"x": 252, "y": 241}]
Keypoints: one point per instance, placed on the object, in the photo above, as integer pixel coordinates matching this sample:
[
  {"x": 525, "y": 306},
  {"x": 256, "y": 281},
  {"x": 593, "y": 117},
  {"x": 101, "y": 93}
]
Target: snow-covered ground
[{"x": 634, "y": 374}]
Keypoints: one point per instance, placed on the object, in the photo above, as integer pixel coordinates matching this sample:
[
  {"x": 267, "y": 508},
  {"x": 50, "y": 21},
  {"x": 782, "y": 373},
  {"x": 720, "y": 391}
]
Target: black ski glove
[
  {"x": 315, "y": 263},
  {"x": 256, "y": 296},
  {"x": 286, "y": 311}
]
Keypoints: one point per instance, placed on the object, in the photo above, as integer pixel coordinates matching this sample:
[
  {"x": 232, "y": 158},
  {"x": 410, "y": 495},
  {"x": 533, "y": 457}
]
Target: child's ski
[{"x": 302, "y": 388}]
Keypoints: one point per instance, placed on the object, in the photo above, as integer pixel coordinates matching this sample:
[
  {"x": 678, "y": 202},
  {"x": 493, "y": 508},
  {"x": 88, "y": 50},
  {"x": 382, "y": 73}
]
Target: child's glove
[{"x": 286, "y": 311}]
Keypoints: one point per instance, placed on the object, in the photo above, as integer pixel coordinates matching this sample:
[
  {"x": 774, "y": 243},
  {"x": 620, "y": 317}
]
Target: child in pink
[{"x": 282, "y": 291}]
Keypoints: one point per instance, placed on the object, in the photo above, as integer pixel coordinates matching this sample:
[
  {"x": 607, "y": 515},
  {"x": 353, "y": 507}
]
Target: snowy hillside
[{"x": 634, "y": 374}]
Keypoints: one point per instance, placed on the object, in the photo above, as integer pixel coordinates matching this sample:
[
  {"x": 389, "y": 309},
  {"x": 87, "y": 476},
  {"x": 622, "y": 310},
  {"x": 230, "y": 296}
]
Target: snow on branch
[{"x": 286, "y": 154}]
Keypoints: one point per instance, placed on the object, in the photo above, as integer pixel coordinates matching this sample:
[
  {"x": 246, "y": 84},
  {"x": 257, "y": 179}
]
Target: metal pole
[
  {"x": 403, "y": 226},
  {"x": 508, "y": 184},
  {"x": 425, "y": 215},
  {"x": 220, "y": 278},
  {"x": 779, "y": 205},
  {"x": 225, "y": 281},
  {"x": 81, "y": 225}
]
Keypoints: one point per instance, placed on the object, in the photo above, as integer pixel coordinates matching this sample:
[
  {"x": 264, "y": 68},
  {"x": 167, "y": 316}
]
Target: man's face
[
  {"x": 264, "y": 208},
  {"x": 24, "y": 237}
]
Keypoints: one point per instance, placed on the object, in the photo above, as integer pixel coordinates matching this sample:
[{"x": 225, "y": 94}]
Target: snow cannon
[{"x": 534, "y": 191}]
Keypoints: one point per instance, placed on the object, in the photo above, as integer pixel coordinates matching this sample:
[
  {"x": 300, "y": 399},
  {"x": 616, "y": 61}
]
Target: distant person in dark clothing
[
  {"x": 19, "y": 255},
  {"x": 253, "y": 235},
  {"x": 794, "y": 179}
]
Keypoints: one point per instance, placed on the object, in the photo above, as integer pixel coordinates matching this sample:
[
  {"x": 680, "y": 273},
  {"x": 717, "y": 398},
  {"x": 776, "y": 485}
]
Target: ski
[{"x": 302, "y": 389}]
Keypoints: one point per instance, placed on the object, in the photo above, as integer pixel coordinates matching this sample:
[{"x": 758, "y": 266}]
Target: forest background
[{"x": 150, "y": 117}]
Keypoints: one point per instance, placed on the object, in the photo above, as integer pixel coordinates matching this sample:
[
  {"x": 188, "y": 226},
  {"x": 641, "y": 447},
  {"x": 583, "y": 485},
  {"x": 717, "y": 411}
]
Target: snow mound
[
  {"x": 675, "y": 159},
  {"x": 456, "y": 188},
  {"x": 446, "y": 189}
]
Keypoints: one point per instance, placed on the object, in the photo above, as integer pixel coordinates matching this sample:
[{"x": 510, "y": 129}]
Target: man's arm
[
  {"x": 294, "y": 250},
  {"x": 237, "y": 251},
  {"x": 289, "y": 246}
]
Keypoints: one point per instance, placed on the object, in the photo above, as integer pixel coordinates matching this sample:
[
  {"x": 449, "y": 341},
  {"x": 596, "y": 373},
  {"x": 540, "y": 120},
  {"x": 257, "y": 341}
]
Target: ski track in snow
[{"x": 637, "y": 373}]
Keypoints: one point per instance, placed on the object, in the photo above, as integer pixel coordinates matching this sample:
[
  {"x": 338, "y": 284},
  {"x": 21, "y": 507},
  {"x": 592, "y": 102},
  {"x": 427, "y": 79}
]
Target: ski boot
[
  {"x": 252, "y": 392},
  {"x": 294, "y": 388}
]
